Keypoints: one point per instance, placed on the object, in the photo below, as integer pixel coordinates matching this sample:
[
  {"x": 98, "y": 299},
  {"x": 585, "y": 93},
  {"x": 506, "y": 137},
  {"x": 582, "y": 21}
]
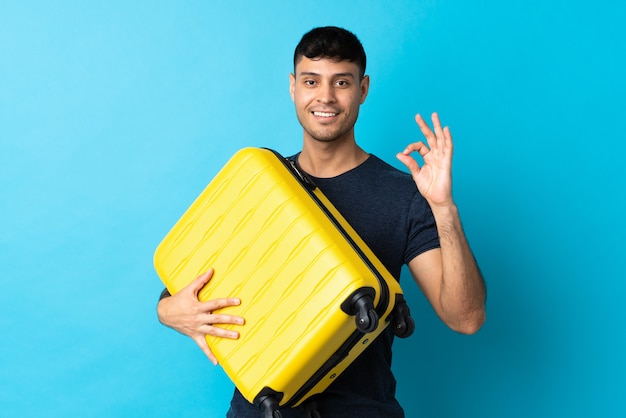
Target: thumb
[
  {"x": 204, "y": 346},
  {"x": 409, "y": 162}
]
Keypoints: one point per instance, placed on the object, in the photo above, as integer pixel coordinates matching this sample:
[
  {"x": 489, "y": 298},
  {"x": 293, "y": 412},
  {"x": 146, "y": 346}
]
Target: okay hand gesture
[{"x": 434, "y": 177}]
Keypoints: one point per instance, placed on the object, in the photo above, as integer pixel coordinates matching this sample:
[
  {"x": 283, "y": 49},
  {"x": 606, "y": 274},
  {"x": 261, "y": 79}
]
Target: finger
[
  {"x": 225, "y": 319},
  {"x": 200, "y": 282},
  {"x": 426, "y": 131},
  {"x": 437, "y": 126},
  {"x": 409, "y": 162},
  {"x": 448, "y": 139},
  {"x": 216, "y": 304},
  {"x": 420, "y": 147},
  {"x": 444, "y": 137},
  {"x": 219, "y": 332},
  {"x": 204, "y": 346}
]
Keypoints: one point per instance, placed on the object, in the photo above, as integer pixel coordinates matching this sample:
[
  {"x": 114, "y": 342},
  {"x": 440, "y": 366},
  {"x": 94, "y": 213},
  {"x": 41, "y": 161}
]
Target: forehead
[{"x": 326, "y": 67}]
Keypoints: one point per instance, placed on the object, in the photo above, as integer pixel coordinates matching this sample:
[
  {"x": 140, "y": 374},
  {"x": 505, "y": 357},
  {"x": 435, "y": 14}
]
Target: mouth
[{"x": 325, "y": 114}]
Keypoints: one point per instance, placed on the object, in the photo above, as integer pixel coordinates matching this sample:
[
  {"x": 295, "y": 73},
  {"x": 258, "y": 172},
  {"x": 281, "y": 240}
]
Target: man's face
[{"x": 327, "y": 95}]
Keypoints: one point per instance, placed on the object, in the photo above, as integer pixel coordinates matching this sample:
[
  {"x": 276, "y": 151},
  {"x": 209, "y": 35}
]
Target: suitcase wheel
[
  {"x": 270, "y": 408},
  {"x": 361, "y": 305},
  {"x": 403, "y": 324},
  {"x": 367, "y": 321},
  {"x": 268, "y": 400}
]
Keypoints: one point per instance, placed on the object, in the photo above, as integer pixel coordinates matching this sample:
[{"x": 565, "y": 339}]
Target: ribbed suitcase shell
[{"x": 283, "y": 255}]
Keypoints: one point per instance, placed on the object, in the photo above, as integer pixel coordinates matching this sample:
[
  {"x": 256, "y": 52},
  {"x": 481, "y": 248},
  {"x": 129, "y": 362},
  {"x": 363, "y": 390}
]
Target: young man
[{"x": 404, "y": 218}]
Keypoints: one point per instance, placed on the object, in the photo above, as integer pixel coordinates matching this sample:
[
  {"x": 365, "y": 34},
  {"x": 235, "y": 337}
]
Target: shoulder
[
  {"x": 387, "y": 173},
  {"x": 376, "y": 163}
]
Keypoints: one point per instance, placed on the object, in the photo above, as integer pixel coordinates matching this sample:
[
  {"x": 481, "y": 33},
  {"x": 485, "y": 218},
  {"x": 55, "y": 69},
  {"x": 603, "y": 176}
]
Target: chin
[{"x": 327, "y": 137}]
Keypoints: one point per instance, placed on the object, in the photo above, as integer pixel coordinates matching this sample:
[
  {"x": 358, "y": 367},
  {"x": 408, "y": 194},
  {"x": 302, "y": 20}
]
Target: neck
[{"x": 330, "y": 159}]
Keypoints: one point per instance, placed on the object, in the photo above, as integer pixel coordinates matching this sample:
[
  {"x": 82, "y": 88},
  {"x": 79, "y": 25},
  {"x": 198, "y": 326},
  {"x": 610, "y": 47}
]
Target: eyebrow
[{"x": 312, "y": 73}]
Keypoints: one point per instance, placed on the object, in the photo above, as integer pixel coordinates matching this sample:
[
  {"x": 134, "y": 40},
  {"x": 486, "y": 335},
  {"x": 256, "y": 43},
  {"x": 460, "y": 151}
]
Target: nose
[{"x": 326, "y": 94}]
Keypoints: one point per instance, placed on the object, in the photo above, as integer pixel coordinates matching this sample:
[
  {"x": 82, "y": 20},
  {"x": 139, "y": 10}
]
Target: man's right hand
[{"x": 187, "y": 315}]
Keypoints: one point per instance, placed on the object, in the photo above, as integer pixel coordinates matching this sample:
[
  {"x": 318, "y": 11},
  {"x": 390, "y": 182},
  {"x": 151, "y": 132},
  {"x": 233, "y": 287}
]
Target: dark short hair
[{"x": 333, "y": 43}]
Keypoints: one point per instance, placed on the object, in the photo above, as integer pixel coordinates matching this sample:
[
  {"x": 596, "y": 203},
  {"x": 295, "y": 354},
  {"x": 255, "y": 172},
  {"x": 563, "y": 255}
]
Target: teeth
[{"x": 324, "y": 114}]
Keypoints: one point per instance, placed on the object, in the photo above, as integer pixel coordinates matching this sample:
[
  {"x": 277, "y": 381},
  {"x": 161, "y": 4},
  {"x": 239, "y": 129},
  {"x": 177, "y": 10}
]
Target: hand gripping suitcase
[{"x": 313, "y": 294}]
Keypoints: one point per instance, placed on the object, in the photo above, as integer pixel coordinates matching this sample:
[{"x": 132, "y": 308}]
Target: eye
[
  {"x": 309, "y": 82},
  {"x": 342, "y": 83}
]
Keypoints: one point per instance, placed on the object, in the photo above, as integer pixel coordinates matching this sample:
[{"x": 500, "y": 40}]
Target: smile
[{"x": 325, "y": 114}]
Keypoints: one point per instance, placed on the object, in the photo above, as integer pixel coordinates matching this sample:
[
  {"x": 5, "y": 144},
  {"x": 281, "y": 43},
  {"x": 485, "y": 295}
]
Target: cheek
[
  {"x": 301, "y": 99},
  {"x": 356, "y": 102}
]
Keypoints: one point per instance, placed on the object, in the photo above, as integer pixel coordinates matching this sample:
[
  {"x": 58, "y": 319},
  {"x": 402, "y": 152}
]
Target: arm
[
  {"x": 449, "y": 277},
  {"x": 189, "y": 316}
]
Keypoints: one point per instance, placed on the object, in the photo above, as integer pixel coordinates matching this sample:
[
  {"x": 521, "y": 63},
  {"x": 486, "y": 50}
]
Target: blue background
[{"x": 114, "y": 115}]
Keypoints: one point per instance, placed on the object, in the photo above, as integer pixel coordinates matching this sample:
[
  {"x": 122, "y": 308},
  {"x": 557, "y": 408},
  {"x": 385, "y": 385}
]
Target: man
[{"x": 404, "y": 218}]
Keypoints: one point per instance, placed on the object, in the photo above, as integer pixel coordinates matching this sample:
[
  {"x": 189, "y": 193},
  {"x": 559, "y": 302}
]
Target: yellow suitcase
[{"x": 313, "y": 294}]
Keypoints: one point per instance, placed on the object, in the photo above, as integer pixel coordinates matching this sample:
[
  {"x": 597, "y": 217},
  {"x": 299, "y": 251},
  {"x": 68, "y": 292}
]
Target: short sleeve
[{"x": 422, "y": 229}]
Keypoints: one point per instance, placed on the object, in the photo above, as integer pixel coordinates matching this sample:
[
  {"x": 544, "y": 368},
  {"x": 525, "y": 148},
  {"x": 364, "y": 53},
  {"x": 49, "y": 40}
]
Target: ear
[
  {"x": 365, "y": 87},
  {"x": 292, "y": 85}
]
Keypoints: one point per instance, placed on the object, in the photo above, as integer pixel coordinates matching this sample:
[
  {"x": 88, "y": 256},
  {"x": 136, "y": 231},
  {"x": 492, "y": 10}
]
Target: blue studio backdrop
[{"x": 114, "y": 116}]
